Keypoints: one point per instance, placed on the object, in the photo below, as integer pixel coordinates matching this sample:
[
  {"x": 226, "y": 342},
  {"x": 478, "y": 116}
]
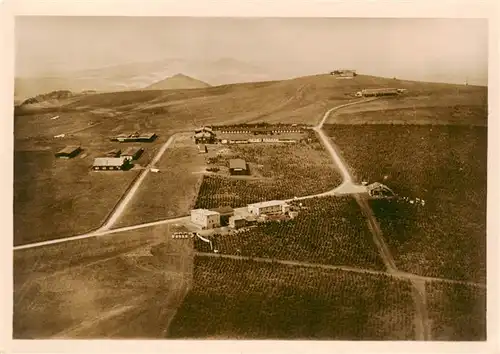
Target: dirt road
[{"x": 122, "y": 205}]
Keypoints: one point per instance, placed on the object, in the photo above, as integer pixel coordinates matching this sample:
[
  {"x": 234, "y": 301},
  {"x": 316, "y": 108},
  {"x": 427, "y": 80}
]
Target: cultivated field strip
[{"x": 399, "y": 275}]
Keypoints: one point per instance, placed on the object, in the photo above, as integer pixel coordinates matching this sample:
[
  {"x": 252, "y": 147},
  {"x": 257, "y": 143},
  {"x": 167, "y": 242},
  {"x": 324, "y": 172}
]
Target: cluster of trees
[
  {"x": 445, "y": 166},
  {"x": 250, "y": 300}
]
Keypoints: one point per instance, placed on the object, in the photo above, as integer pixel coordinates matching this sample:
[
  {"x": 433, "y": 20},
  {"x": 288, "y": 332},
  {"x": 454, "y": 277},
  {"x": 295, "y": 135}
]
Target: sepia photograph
[{"x": 250, "y": 178}]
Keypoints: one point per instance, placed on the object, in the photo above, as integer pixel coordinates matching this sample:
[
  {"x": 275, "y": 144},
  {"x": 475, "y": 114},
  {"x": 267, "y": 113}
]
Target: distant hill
[
  {"x": 54, "y": 95},
  {"x": 298, "y": 100},
  {"x": 177, "y": 82}
]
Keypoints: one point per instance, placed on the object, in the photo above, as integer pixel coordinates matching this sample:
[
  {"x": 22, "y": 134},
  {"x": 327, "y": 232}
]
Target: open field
[
  {"x": 284, "y": 171},
  {"x": 330, "y": 231},
  {"x": 457, "y": 312},
  {"x": 172, "y": 191},
  {"x": 126, "y": 285},
  {"x": 443, "y": 165},
  {"x": 55, "y": 197},
  {"x": 249, "y": 300},
  {"x": 454, "y": 105}
]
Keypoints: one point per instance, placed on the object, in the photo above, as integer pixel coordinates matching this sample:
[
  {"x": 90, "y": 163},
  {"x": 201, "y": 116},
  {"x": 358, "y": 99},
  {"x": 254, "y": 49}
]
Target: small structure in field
[
  {"x": 378, "y": 92},
  {"x": 225, "y": 213},
  {"x": 238, "y": 167},
  {"x": 114, "y": 153},
  {"x": 135, "y": 137},
  {"x": 132, "y": 153},
  {"x": 269, "y": 207},
  {"x": 110, "y": 164},
  {"x": 68, "y": 152},
  {"x": 343, "y": 73},
  {"x": 206, "y": 219},
  {"x": 202, "y": 149},
  {"x": 379, "y": 190},
  {"x": 237, "y": 222}
]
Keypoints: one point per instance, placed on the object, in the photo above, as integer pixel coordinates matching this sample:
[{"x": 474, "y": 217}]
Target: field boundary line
[{"x": 398, "y": 275}]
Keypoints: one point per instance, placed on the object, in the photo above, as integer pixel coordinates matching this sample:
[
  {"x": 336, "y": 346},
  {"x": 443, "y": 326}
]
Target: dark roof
[
  {"x": 132, "y": 150},
  {"x": 237, "y": 164},
  {"x": 223, "y": 210},
  {"x": 68, "y": 150}
]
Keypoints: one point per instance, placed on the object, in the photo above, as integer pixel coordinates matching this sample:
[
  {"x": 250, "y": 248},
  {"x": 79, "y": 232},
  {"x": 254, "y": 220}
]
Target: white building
[
  {"x": 270, "y": 207},
  {"x": 207, "y": 219}
]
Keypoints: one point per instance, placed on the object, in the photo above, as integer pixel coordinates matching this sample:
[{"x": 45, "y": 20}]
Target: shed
[
  {"x": 237, "y": 222},
  {"x": 132, "y": 153},
  {"x": 225, "y": 213},
  {"x": 238, "y": 167},
  {"x": 68, "y": 152}
]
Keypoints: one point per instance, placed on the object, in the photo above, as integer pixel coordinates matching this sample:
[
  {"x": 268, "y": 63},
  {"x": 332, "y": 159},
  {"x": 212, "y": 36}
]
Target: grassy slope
[
  {"x": 101, "y": 287},
  {"x": 246, "y": 300},
  {"x": 445, "y": 166}
]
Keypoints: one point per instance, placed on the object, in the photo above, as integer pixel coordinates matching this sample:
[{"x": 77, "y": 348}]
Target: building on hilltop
[
  {"x": 110, "y": 164},
  {"x": 269, "y": 207},
  {"x": 68, "y": 152},
  {"x": 238, "y": 167},
  {"x": 206, "y": 219},
  {"x": 343, "y": 73}
]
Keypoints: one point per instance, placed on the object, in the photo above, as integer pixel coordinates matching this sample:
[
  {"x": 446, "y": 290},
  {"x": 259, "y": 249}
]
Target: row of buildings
[
  {"x": 214, "y": 218},
  {"x": 380, "y": 92},
  {"x": 115, "y": 159}
]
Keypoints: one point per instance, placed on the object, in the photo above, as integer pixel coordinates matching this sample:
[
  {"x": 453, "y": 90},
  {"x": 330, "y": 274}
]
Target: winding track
[{"x": 348, "y": 186}]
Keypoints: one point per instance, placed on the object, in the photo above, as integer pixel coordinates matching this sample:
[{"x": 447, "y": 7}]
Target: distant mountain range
[
  {"x": 143, "y": 75},
  {"x": 179, "y": 81}
]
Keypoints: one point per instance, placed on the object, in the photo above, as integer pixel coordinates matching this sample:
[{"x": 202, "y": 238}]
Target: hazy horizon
[{"x": 446, "y": 50}]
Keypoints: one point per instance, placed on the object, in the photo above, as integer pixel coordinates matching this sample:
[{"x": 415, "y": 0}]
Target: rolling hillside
[
  {"x": 177, "y": 82},
  {"x": 299, "y": 100}
]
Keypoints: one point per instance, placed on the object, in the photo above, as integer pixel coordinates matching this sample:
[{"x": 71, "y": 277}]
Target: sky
[{"x": 449, "y": 50}]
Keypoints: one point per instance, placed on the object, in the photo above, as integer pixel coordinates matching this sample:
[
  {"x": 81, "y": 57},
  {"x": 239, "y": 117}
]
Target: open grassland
[
  {"x": 171, "y": 192},
  {"x": 299, "y": 100},
  {"x": 233, "y": 299},
  {"x": 443, "y": 165},
  {"x": 126, "y": 285},
  {"x": 55, "y": 197},
  {"x": 457, "y": 312},
  {"x": 284, "y": 171},
  {"x": 464, "y": 105},
  {"x": 328, "y": 230}
]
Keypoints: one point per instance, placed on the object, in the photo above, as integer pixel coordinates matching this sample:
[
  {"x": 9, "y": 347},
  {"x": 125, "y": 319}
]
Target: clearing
[{"x": 126, "y": 285}]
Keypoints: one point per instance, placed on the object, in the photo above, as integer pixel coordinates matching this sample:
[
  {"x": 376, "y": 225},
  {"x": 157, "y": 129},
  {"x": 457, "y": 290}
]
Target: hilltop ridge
[{"x": 176, "y": 82}]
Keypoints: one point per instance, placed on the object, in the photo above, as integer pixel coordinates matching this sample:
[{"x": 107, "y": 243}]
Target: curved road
[{"x": 422, "y": 328}]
